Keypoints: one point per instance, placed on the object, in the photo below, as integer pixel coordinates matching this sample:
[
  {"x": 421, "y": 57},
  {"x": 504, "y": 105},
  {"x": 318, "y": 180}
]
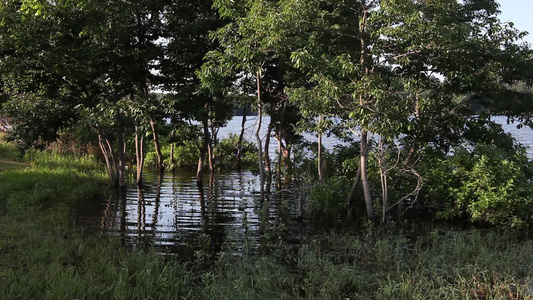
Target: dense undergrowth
[{"x": 45, "y": 255}]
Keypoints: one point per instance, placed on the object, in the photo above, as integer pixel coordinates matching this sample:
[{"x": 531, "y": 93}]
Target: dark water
[{"x": 174, "y": 215}]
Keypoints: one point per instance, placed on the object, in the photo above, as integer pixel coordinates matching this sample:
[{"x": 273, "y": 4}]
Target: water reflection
[{"x": 172, "y": 213}]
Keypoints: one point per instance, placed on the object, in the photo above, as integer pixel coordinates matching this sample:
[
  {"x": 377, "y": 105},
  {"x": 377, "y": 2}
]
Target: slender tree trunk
[
  {"x": 114, "y": 161},
  {"x": 203, "y": 152},
  {"x": 364, "y": 175},
  {"x": 210, "y": 156},
  {"x": 319, "y": 156},
  {"x": 211, "y": 146},
  {"x": 280, "y": 162},
  {"x": 139, "y": 154},
  {"x": 383, "y": 178},
  {"x": 241, "y": 137},
  {"x": 351, "y": 196},
  {"x": 121, "y": 156},
  {"x": 365, "y": 60},
  {"x": 268, "y": 168},
  {"x": 258, "y": 138},
  {"x": 288, "y": 163},
  {"x": 111, "y": 169},
  {"x": 172, "y": 133},
  {"x": 160, "y": 160}
]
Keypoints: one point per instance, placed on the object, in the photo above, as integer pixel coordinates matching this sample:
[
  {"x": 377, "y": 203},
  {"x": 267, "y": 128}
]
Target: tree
[
  {"x": 80, "y": 55},
  {"x": 384, "y": 74},
  {"x": 187, "y": 33}
]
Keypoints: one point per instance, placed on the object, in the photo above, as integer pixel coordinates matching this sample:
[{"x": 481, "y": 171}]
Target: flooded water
[{"x": 172, "y": 214}]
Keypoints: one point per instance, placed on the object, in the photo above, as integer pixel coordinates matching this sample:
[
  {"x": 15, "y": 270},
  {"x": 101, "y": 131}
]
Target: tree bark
[
  {"x": 351, "y": 196},
  {"x": 121, "y": 156},
  {"x": 288, "y": 163},
  {"x": 258, "y": 138},
  {"x": 203, "y": 151},
  {"x": 210, "y": 157},
  {"x": 365, "y": 59},
  {"x": 211, "y": 146},
  {"x": 103, "y": 143},
  {"x": 241, "y": 137},
  {"x": 172, "y": 133},
  {"x": 268, "y": 168},
  {"x": 139, "y": 154},
  {"x": 160, "y": 160},
  {"x": 382, "y": 162},
  {"x": 319, "y": 155},
  {"x": 114, "y": 160},
  {"x": 280, "y": 163},
  {"x": 364, "y": 176}
]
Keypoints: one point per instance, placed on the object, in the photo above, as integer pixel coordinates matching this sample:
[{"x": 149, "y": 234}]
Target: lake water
[{"x": 174, "y": 215}]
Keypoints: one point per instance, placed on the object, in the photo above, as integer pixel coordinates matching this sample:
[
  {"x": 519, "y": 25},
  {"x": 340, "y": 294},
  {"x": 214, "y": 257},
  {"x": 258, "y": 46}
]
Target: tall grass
[
  {"x": 53, "y": 180},
  {"x": 445, "y": 265}
]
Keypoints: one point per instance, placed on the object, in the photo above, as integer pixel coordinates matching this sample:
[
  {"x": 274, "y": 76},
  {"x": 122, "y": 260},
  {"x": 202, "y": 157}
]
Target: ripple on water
[{"x": 173, "y": 212}]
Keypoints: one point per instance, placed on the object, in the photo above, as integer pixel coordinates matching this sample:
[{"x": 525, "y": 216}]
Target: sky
[{"x": 520, "y": 13}]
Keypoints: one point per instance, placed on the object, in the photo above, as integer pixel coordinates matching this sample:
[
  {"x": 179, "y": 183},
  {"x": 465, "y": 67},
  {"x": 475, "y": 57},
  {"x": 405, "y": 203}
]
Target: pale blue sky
[{"x": 520, "y": 12}]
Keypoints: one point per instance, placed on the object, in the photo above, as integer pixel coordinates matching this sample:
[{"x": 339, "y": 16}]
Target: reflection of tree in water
[{"x": 176, "y": 215}]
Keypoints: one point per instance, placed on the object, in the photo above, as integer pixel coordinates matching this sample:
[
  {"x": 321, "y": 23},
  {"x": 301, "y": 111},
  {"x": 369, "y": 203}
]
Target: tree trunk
[
  {"x": 160, "y": 159},
  {"x": 365, "y": 60},
  {"x": 139, "y": 153},
  {"x": 210, "y": 156},
  {"x": 211, "y": 146},
  {"x": 114, "y": 161},
  {"x": 203, "y": 151},
  {"x": 121, "y": 156},
  {"x": 319, "y": 156},
  {"x": 241, "y": 137},
  {"x": 351, "y": 196},
  {"x": 382, "y": 162},
  {"x": 268, "y": 168},
  {"x": 258, "y": 138},
  {"x": 107, "y": 153},
  {"x": 364, "y": 176},
  {"x": 288, "y": 163},
  {"x": 172, "y": 133}
]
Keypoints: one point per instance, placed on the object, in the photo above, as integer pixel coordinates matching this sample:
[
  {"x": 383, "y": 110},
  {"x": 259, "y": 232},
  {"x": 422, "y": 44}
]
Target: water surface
[{"x": 173, "y": 214}]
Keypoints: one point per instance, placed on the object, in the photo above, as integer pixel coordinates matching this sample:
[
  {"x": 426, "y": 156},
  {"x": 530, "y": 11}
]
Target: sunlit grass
[
  {"x": 52, "y": 180},
  {"x": 10, "y": 157}
]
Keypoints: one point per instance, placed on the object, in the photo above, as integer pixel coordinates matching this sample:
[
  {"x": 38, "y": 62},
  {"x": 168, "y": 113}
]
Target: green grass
[
  {"x": 52, "y": 181},
  {"x": 62, "y": 263},
  {"x": 9, "y": 157}
]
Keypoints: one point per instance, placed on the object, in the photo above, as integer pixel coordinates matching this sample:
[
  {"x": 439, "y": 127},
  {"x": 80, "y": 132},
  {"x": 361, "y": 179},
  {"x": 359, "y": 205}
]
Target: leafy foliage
[
  {"x": 485, "y": 184},
  {"x": 226, "y": 149}
]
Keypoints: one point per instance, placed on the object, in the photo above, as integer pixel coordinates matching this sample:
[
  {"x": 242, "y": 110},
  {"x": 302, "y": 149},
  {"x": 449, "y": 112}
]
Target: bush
[
  {"x": 185, "y": 155},
  {"x": 328, "y": 200},
  {"x": 484, "y": 185},
  {"x": 226, "y": 152}
]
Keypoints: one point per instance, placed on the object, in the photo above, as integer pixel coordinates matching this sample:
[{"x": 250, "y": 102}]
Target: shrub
[
  {"x": 185, "y": 155},
  {"x": 226, "y": 152},
  {"x": 328, "y": 200},
  {"x": 485, "y": 185}
]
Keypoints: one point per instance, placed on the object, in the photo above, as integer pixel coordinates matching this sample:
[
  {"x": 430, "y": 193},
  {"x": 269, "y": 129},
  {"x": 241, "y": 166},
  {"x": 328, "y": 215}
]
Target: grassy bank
[
  {"x": 44, "y": 255},
  {"x": 60, "y": 264}
]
